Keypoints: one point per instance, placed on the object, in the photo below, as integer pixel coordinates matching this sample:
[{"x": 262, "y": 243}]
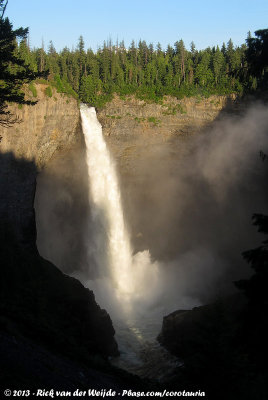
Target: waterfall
[
  {"x": 106, "y": 200},
  {"x": 131, "y": 286},
  {"x": 112, "y": 247}
]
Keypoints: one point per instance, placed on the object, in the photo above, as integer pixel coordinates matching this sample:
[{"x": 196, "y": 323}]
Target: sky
[{"x": 205, "y": 22}]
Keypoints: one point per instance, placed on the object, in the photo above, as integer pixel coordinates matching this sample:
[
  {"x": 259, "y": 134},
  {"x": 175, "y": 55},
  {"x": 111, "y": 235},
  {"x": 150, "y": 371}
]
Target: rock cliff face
[
  {"x": 132, "y": 116},
  {"x": 134, "y": 128},
  {"x": 43, "y": 130},
  {"x": 37, "y": 300},
  {"x": 148, "y": 142}
]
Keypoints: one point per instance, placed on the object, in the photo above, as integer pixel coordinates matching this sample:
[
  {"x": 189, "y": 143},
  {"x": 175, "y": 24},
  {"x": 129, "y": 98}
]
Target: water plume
[
  {"x": 122, "y": 286},
  {"x": 128, "y": 274}
]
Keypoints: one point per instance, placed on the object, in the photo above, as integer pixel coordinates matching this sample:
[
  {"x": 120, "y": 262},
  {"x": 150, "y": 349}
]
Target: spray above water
[
  {"x": 129, "y": 274},
  {"x": 129, "y": 281}
]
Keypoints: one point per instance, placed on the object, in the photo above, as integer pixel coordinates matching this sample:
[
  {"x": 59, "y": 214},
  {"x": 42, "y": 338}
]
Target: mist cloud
[{"x": 189, "y": 201}]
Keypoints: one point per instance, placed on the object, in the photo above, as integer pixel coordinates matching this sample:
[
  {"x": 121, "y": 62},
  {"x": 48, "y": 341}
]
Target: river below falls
[
  {"x": 140, "y": 352},
  {"x": 136, "y": 329}
]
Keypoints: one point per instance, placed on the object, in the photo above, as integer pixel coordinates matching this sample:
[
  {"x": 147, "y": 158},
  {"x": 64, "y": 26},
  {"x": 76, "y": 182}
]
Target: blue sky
[{"x": 205, "y": 22}]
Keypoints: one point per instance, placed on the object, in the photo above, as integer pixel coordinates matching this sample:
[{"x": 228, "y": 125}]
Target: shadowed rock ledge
[{"x": 186, "y": 333}]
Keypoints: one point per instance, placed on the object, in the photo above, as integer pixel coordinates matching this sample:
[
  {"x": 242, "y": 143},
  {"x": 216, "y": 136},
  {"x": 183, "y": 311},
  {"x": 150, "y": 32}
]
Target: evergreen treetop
[{"x": 14, "y": 70}]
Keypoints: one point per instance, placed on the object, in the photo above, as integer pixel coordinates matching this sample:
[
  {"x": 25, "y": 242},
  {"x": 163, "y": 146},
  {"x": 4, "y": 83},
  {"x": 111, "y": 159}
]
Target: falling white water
[
  {"x": 128, "y": 272},
  {"x": 105, "y": 199},
  {"x": 131, "y": 287}
]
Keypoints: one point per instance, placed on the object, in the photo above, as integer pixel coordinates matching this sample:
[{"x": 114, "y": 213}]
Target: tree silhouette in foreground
[
  {"x": 14, "y": 72},
  {"x": 255, "y": 321},
  {"x": 257, "y": 57}
]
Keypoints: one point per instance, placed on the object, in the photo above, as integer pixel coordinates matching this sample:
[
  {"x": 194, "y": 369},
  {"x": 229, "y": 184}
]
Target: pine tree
[
  {"x": 52, "y": 59},
  {"x": 14, "y": 71},
  {"x": 218, "y": 63},
  {"x": 41, "y": 58},
  {"x": 82, "y": 56},
  {"x": 204, "y": 76},
  {"x": 257, "y": 53}
]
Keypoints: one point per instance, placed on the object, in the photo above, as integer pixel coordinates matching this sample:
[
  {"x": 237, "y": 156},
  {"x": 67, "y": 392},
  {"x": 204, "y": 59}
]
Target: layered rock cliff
[
  {"x": 130, "y": 116},
  {"x": 149, "y": 142},
  {"x": 37, "y": 300},
  {"x": 42, "y": 130}
]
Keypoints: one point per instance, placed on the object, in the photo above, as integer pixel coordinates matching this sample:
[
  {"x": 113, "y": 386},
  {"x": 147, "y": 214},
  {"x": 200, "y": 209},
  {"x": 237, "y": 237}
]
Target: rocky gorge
[{"x": 142, "y": 137}]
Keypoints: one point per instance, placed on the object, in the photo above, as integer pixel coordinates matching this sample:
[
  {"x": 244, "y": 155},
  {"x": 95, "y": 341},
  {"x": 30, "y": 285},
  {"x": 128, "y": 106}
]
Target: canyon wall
[
  {"x": 42, "y": 131},
  {"x": 134, "y": 127},
  {"x": 37, "y": 300},
  {"x": 148, "y": 142},
  {"x": 171, "y": 116},
  {"x": 141, "y": 136}
]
